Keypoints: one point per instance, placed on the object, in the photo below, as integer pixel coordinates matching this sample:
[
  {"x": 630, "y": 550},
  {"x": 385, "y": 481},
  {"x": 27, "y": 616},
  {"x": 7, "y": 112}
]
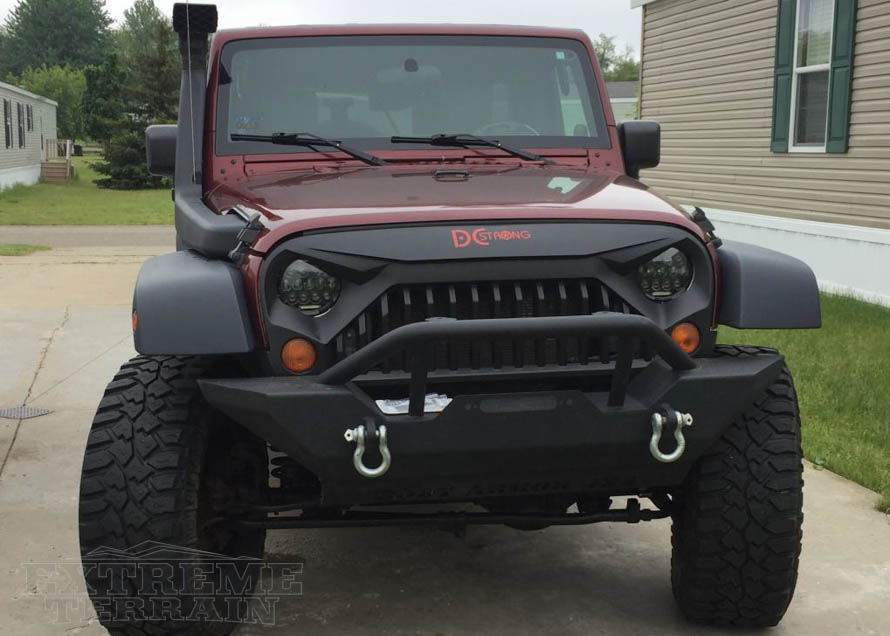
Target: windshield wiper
[
  {"x": 309, "y": 140},
  {"x": 466, "y": 140}
]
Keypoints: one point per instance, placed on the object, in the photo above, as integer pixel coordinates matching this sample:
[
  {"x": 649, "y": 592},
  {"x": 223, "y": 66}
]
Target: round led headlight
[
  {"x": 666, "y": 275},
  {"x": 307, "y": 288}
]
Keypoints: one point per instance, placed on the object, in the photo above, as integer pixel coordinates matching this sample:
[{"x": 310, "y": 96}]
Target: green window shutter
[
  {"x": 783, "y": 74},
  {"x": 840, "y": 84}
]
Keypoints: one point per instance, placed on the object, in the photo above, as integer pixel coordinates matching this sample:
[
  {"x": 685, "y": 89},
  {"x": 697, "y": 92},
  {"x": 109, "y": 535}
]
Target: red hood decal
[
  {"x": 295, "y": 202},
  {"x": 462, "y": 238}
]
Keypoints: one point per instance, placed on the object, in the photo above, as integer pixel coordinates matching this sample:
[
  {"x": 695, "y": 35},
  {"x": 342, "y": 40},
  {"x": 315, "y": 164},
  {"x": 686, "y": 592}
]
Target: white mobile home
[
  {"x": 623, "y": 97},
  {"x": 28, "y": 121}
]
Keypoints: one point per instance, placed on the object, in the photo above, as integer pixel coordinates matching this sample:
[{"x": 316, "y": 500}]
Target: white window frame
[{"x": 800, "y": 70}]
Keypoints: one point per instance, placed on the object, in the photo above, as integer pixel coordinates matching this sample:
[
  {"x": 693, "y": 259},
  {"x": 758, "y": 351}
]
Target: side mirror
[
  {"x": 640, "y": 144},
  {"x": 160, "y": 149}
]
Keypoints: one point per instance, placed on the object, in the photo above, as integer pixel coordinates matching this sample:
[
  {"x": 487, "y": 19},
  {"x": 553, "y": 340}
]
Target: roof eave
[{"x": 21, "y": 91}]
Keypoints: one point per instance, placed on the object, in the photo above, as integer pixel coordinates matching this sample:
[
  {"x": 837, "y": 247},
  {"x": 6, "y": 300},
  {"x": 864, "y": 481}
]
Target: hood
[{"x": 298, "y": 201}]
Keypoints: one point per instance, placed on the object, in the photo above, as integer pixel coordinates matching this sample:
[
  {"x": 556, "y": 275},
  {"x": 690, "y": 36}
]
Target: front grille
[{"x": 404, "y": 304}]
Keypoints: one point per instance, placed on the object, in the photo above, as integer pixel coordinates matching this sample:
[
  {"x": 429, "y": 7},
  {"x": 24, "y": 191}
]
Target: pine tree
[{"x": 103, "y": 103}]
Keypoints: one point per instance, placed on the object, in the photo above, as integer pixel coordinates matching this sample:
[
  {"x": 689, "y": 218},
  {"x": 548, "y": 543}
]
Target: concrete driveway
[{"x": 65, "y": 328}]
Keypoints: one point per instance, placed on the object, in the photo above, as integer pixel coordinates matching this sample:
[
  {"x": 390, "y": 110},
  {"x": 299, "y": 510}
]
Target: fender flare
[
  {"x": 764, "y": 289},
  {"x": 185, "y": 304}
]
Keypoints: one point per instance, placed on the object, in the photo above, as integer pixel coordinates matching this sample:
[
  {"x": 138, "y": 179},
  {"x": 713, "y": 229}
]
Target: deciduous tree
[
  {"x": 54, "y": 33},
  {"x": 617, "y": 67},
  {"x": 63, "y": 84}
]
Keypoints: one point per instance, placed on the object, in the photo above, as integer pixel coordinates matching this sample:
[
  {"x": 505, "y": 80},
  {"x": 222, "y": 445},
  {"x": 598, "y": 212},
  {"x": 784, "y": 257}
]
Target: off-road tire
[
  {"x": 736, "y": 532},
  {"x": 155, "y": 451}
]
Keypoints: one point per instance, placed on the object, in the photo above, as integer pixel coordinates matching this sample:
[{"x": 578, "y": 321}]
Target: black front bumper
[{"x": 489, "y": 445}]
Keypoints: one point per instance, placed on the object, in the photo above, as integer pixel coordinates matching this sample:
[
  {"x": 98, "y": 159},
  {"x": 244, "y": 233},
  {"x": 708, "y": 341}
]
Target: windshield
[{"x": 526, "y": 91}]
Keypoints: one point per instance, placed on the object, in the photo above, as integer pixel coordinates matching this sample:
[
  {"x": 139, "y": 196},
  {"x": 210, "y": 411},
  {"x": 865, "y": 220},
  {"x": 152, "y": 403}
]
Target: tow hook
[
  {"x": 358, "y": 435},
  {"x": 666, "y": 415}
]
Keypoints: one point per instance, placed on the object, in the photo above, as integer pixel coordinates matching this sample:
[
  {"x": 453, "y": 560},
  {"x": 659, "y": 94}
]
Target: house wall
[
  {"x": 707, "y": 77},
  {"x": 22, "y": 165}
]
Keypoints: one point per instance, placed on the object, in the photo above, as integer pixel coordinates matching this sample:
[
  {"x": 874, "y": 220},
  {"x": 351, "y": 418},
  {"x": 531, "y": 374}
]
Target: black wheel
[
  {"x": 736, "y": 534},
  {"x": 159, "y": 465}
]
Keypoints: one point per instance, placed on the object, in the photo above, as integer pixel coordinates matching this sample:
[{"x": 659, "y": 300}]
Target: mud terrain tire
[
  {"x": 156, "y": 460},
  {"x": 736, "y": 535}
]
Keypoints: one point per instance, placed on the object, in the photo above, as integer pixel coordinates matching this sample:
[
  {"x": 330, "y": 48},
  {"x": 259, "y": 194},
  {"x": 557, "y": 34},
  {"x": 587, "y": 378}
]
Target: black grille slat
[
  {"x": 583, "y": 343},
  {"x": 523, "y": 349},
  {"x": 386, "y": 325},
  {"x": 384, "y": 313},
  {"x": 497, "y": 301},
  {"x": 475, "y": 313},
  {"x": 405, "y": 304},
  {"x": 339, "y": 345},
  {"x": 585, "y": 298},
  {"x": 430, "y": 301},
  {"x": 542, "y": 308},
  {"x": 455, "y": 348},
  {"x": 498, "y": 311},
  {"x": 474, "y": 301},
  {"x": 407, "y": 318},
  {"x": 562, "y": 344},
  {"x": 363, "y": 320}
]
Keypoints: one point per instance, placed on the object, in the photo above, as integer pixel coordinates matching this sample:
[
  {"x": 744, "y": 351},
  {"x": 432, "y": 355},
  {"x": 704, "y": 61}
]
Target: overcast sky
[{"x": 612, "y": 17}]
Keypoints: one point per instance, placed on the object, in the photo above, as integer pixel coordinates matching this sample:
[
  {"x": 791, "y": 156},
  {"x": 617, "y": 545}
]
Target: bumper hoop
[
  {"x": 659, "y": 419},
  {"x": 358, "y": 435}
]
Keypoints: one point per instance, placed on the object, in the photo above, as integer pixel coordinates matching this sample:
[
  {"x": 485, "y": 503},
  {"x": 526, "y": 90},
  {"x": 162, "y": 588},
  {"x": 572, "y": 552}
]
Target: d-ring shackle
[
  {"x": 659, "y": 419},
  {"x": 357, "y": 435}
]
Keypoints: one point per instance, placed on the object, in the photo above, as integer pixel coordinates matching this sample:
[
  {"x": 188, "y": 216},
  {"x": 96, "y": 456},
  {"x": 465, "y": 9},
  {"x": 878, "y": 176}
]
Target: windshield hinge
[
  {"x": 247, "y": 234},
  {"x": 701, "y": 219}
]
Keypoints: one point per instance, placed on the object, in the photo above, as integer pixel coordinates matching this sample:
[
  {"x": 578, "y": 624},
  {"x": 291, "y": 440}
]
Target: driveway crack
[{"x": 40, "y": 363}]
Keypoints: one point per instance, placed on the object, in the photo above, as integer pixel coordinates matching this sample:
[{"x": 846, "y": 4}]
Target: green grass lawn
[
  {"x": 20, "y": 249},
  {"x": 82, "y": 202},
  {"x": 842, "y": 375}
]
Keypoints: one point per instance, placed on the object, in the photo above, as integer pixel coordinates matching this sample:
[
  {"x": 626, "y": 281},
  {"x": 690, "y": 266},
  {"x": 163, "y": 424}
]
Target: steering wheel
[{"x": 506, "y": 128}]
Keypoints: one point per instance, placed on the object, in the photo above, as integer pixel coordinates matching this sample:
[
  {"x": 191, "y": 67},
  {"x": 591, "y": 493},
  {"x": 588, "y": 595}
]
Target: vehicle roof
[{"x": 227, "y": 35}]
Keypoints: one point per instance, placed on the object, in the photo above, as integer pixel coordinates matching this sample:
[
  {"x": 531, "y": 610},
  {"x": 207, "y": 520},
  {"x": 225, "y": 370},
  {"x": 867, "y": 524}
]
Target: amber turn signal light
[
  {"x": 298, "y": 355},
  {"x": 135, "y": 321},
  {"x": 686, "y": 335}
]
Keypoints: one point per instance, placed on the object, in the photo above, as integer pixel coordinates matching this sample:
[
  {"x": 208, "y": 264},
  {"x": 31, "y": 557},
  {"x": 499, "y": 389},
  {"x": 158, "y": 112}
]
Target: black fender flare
[
  {"x": 765, "y": 289},
  {"x": 186, "y": 304}
]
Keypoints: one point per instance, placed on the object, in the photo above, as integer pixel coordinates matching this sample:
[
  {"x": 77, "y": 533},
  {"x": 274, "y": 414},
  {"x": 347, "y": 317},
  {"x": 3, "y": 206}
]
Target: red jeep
[{"x": 415, "y": 266}]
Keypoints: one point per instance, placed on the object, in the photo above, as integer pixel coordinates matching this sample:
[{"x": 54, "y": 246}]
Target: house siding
[
  {"x": 707, "y": 78},
  {"x": 15, "y": 161}
]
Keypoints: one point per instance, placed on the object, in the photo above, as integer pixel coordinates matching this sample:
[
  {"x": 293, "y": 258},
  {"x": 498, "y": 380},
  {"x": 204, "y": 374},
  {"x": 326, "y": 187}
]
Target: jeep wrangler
[{"x": 415, "y": 265}]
